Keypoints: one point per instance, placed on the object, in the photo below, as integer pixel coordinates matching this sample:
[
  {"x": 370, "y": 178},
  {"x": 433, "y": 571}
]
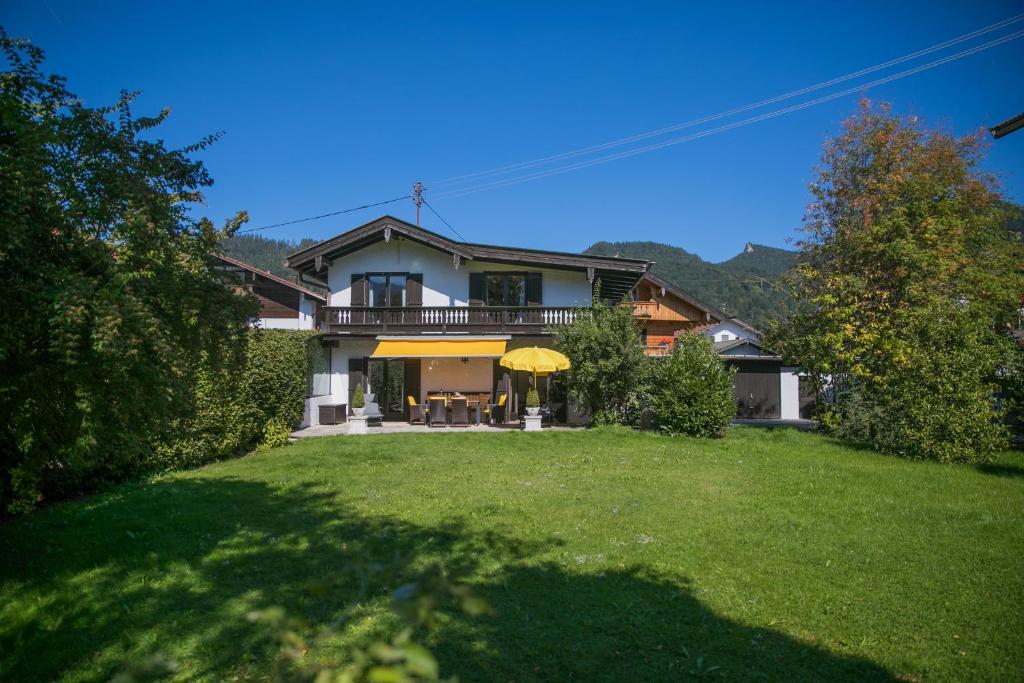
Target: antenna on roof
[{"x": 417, "y": 198}]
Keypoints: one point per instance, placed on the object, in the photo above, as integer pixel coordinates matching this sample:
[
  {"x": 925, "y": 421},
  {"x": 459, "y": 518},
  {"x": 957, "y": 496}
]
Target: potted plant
[
  {"x": 532, "y": 401},
  {"x": 358, "y": 400}
]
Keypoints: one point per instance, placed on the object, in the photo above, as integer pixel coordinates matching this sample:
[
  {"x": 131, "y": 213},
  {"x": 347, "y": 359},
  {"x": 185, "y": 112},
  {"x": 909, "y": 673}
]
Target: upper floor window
[
  {"x": 505, "y": 289},
  {"x": 386, "y": 289}
]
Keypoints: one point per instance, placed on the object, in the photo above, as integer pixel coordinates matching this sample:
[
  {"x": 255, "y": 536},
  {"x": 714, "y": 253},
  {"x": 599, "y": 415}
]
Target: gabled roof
[
  {"x": 739, "y": 323},
  {"x": 270, "y": 276},
  {"x": 311, "y": 259},
  {"x": 735, "y": 349},
  {"x": 661, "y": 283}
]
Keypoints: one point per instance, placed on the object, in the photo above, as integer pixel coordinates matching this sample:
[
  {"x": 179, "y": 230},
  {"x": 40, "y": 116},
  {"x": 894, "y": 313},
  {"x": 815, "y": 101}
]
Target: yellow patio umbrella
[{"x": 535, "y": 359}]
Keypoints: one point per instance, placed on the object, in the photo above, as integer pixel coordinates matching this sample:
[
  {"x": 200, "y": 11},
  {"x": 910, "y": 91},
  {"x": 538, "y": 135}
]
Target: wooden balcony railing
[
  {"x": 645, "y": 309},
  {"x": 494, "y": 319}
]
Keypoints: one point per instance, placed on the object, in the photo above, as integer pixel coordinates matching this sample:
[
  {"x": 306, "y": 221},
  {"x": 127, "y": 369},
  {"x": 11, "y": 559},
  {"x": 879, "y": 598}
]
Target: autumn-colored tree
[
  {"x": 110, "y": 297},
  {"x": 907, "y": 281}
]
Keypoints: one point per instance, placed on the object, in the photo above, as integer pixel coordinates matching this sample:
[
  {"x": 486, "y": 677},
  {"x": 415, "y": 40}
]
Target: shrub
[
  {"x": 238, "y": 406},
  {"x": 110, "y": 296},
  {"x": 532, "y": 398},
  {"x": 939, "y": 403},
  {"x": 691, "y": 390},
  {"x": 609, "y": 367},
  {"x": 358, "y": 397}
]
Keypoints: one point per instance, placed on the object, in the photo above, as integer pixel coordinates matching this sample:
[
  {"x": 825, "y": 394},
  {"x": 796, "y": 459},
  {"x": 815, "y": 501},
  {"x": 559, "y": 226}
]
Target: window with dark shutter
[
  {"x": 476, "y": 289},
  {"x": 414, "y": 290},
  {"x": 358, "y": 289},
  {"x": 534, "y": 289}
]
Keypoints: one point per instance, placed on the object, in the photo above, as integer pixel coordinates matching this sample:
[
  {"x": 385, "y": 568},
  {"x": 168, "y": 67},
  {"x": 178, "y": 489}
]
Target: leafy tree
[
  {"x": 110, "y": 296},
  {"x": 691, "y": 390},
  {"x": 609, "y": 368},
  {"x": 907, "y": 281}
]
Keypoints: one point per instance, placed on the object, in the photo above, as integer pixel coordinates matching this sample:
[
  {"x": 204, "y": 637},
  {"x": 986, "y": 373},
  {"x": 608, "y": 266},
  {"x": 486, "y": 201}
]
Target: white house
[{"x": 410, "y": 312}]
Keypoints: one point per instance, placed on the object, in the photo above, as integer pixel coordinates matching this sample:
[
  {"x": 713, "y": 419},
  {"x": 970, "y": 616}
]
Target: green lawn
[{"x": 607, "y": 555}]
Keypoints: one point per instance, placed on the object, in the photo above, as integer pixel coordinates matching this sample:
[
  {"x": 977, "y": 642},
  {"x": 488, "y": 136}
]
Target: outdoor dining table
[{"x": 473, "y": 406}]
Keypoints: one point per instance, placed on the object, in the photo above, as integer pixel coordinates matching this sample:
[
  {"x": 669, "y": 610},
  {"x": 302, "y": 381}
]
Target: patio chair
[
  {"x": 438, "y": 412},
  {"x": 416, "y": 413},
  {"x": 460, "y": 412},
  {"x": 496, "y": 411},
  {"x": 372, "y": 412}
]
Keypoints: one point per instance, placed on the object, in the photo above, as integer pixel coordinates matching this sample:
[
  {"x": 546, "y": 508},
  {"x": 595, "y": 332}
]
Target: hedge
[{"x": 238, "y": 407}]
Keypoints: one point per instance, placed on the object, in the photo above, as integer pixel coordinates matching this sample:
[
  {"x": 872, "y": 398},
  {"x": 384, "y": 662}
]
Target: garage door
[{"x": 756, "y": 388}]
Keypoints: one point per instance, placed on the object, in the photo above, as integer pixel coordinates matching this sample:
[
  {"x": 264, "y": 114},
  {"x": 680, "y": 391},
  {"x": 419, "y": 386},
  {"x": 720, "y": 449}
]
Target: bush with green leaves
[
  {"x": 939, "y": 403},
  {"x": 691, "y": 390},
  {"x": 111, "y": 296},
  {"x": 256, "y": 402},
  {"x": 609, "y": 368}
]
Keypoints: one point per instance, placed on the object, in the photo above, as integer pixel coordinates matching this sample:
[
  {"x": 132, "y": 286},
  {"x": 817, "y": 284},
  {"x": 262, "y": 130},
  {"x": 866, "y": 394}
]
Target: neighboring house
[
  {"x": 411, "y": 312},
  {"x": 283, "y": 304},
  {"x": 665, "y": 311},
  {"x": 762, "y": 386}
]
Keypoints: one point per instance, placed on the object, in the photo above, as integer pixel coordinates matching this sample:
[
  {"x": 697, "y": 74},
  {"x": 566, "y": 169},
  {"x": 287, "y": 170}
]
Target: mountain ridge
[{"x": 741, "y": 286}]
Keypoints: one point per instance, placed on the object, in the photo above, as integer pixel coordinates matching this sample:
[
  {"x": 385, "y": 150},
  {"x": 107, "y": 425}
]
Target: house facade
[
  {"x": 283, "y": 304},
  {"x": 663, "y": 312},
  {"x": 762, "y": 387},
  {"x": 410, "y": 312}
]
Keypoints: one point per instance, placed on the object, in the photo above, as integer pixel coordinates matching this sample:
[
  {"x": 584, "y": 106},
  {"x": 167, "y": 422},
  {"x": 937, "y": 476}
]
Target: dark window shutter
[
  {"x": 534, "y": 289},
  {"x": 414, "y": 290},
  {"x": 358, "y": 289},
  {"x": 476, "y": 289}
]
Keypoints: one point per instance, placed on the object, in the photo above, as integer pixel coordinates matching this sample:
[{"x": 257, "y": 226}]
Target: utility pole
[{"x": 417, "y": 198}]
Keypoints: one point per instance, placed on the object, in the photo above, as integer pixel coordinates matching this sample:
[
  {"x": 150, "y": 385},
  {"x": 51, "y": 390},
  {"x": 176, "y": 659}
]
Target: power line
[
  {"x": 460, "y": 192},
  {"x": 434, "y": 211},
  {"x": 327, "y": 215},
  {"x": 669, "y": 129}
]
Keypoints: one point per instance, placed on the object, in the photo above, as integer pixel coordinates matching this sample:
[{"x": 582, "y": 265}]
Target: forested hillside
[
  {"x": 266, "y": 254},
  {"x": 742, "y": 286}
]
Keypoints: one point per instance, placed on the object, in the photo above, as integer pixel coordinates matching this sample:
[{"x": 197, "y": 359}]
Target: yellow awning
[{"x": 454, "y": 348}]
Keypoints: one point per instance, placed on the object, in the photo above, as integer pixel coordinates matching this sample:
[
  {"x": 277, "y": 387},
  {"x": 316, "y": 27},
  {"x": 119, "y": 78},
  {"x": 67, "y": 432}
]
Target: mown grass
[{"x": 607, "y": 555}]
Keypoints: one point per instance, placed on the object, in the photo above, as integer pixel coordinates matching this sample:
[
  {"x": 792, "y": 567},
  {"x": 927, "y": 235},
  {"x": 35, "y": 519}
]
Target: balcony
[{"x": 440, "y": 319}]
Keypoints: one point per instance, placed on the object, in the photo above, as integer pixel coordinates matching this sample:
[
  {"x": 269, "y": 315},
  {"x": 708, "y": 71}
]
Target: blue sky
[{"x": 331, "y": 105}]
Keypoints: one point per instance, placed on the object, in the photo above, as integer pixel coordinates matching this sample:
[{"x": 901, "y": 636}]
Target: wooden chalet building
[{"x": 283, "y": 304}]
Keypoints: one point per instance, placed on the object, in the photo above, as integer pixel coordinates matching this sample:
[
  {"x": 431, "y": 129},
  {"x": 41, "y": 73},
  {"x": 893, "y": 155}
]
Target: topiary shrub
[
  {"x": 358, "y": 397},
  {"x": 532, "y": 398},
  {"x": 691, "y": 390}
]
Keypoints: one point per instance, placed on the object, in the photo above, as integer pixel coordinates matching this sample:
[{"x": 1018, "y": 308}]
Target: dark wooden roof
[
  {"x": 744, "y": 349},
  {"x": 386, "y": 226},
  {"x": 1007, "y": 126},
  {"x": 242, "y": 265}
]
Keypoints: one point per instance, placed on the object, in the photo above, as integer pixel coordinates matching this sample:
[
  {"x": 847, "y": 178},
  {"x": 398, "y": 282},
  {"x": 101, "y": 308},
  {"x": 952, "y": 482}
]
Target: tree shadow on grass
[
  {"x": 1000, "y": 469},
  {"x": 176, "y": 564}
]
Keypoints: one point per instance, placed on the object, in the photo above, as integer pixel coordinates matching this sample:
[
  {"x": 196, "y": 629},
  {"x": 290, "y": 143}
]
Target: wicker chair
[
  {"x": 438, "y": 412},
  {"x": 496, "y": 411},
  {"x": 460, "y": 412},
  {"x": 416, "y": 413}
]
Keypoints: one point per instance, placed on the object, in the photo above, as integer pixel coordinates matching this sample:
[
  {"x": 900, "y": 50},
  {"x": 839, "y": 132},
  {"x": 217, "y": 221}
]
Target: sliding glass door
[{"x": 387, "y": 383}]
